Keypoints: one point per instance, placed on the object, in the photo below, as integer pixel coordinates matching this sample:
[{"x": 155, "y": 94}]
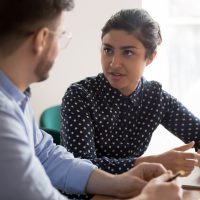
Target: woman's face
[{"x": 123, "y": 60}]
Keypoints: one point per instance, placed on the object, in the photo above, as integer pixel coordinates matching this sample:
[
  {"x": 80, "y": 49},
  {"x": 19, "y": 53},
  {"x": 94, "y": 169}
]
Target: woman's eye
[
  {"x": 108, "y": 50},
  {"x": 128, "y": 52}
]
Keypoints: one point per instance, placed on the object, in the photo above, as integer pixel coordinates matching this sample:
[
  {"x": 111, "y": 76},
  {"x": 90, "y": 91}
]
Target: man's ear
[
  {"x": 40, "y": 40},
  {"x": 151, "y": 58}
]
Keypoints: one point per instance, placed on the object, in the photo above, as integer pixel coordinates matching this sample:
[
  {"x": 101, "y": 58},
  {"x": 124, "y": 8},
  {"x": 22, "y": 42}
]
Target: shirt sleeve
[
  {"x": 180, "y": 121},
  {"x": 78, "y": 133},
  {"x": 24, "y": 169},
  {"x": 21, "y": 174},
  {"x": 66, "y": 173}
]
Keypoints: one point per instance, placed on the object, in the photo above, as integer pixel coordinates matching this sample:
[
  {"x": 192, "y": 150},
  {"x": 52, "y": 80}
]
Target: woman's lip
[{"x": 116, "y": 74}]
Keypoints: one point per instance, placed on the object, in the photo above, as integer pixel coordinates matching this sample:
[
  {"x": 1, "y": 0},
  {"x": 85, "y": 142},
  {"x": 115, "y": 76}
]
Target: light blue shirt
[{"x": 30, "y": 163}]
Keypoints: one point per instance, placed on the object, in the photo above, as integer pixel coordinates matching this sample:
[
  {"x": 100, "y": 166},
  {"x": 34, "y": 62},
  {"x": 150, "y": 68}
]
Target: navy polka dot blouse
[{"x": 111, "y": 130}]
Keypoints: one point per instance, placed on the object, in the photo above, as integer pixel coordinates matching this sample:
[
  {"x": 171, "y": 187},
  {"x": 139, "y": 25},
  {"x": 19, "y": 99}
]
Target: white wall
[
  {"x": 82, "y": 57},
  {"x": 171, "y": 68}
]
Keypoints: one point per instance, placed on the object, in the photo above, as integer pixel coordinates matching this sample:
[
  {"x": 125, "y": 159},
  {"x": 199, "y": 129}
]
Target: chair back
[{"x": 50, "y": 121}]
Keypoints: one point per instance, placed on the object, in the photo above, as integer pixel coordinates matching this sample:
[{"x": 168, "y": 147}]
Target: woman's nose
[{"x": 115, "y": 61}]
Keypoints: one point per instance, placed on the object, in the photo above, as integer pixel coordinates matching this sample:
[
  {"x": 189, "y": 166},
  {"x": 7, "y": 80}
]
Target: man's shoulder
[
  {"x": 8, "y": 108},
  {"x": 5, "y": 101}
]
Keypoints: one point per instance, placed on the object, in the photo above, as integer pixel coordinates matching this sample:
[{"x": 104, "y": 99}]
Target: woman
[{"x": 110, "y": 118}]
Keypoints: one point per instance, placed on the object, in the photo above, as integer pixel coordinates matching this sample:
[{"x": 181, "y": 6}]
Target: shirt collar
[
  {"x": 111, "y": 94},
  {"x": 7, "y": 85}
]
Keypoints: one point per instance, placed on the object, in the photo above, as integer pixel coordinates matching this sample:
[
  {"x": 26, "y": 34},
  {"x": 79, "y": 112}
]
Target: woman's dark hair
[{"x": 139, "y": 23}]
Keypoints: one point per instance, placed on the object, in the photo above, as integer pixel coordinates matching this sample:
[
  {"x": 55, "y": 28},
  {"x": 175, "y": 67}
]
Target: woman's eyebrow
[
  {"x": 107, "y": 45},
  {"x": 123, "y": 47},
  {"x": 128, "y": 47}
]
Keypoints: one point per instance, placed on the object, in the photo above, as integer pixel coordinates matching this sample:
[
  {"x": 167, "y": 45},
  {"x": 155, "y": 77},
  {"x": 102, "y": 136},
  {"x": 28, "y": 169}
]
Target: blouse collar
[{"x": 111, "y": 94}]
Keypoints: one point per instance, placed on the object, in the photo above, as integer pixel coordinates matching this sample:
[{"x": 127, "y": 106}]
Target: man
[{"x": 31, "y": 165}]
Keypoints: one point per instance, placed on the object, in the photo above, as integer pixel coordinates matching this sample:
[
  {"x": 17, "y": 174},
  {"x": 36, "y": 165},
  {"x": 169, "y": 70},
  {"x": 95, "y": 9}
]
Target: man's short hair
[{"x": 18, "y": 17}]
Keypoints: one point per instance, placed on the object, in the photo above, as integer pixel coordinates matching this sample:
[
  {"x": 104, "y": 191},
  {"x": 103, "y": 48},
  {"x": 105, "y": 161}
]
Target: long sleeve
[
  {"x": 66, "y": 173},
  {"x": 32, "y": 167},
  {"x": 22, "y": 175},
  {"x": 112, "y": 130},
  {"x": 180, "y": 121},
  {"x": 79, "y": 132}
]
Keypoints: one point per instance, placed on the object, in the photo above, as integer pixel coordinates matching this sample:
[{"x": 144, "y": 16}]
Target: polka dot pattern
[{"x": 111, "y": 130}]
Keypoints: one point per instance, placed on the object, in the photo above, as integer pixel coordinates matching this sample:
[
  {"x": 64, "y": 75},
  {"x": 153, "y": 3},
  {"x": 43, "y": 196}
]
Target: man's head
[
  {"x": 32, "y": 28},
  {"x": 18, "y": 18}
]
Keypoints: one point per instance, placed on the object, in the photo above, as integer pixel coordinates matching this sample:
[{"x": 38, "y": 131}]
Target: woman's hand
[{"x": 175, "y": 159}]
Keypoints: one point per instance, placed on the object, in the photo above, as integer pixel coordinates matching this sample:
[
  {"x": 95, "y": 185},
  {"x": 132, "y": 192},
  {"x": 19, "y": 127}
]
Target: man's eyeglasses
[{"x": 64, "y": 38}]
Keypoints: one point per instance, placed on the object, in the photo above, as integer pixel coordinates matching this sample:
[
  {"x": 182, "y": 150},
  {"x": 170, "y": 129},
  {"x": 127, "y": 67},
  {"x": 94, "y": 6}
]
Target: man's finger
[{"x": 164, "y": 177}]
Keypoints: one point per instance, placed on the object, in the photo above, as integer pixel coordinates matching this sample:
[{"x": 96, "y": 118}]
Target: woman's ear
[
  {"x": 40, "y": 40},
  {"x": 151, "y": 58}
]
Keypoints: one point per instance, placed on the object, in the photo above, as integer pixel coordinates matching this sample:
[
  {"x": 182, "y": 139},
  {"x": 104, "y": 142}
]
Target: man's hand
[
  {"x": 158, "y": 189},
  {"x": 132, "y": 182},
  {"x": 124, "y": 185},
  {"x": 147, "y": 171}
]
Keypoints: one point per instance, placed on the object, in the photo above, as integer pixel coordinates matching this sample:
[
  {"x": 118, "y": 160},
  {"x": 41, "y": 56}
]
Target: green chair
[{"x": 50, "y": 121}]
